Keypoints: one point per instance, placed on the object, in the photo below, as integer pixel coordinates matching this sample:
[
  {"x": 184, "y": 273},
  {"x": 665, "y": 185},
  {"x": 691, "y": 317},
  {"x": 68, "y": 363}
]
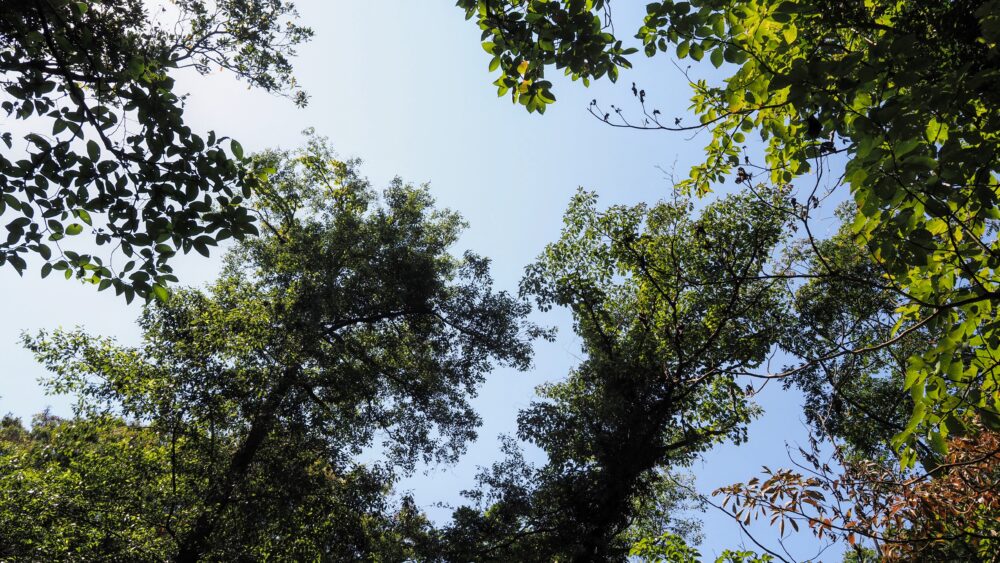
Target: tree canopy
[
  {"x": 904, "y": 91},
  {"x": 235, "y": 429},
  {"x": 669, "y": 308},
  {"x": 238, "y": 426},
  {"x": 272, "y": 413},
  {"x": 108, "y": 151}
]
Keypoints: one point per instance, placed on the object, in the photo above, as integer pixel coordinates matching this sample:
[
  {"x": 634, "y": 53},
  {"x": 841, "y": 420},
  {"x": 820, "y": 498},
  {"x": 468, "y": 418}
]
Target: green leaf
[
  {"x": 697, "y": 52},
  {"x": 787, "y": 7},
  {"x": 789, "y": 33},
  {"x": 18, "y": 263},
  {"x": 938, "y": 443},
  {"x": 237, "y": 149},
  {"x": 160, "y": 293},
  {"x": 93, "y": 150},
  {"x": 719, "y": 26},
  {"x": 38, "y": 140},
  {"x": 74, "y": 229},
  {"x": 717, "y": 57},
  {"x": 906, "y": 147},
  {"x": 136, "y": 66},
  {"x": 955, "y": 426},
  {"x": 682, "y": 49}
]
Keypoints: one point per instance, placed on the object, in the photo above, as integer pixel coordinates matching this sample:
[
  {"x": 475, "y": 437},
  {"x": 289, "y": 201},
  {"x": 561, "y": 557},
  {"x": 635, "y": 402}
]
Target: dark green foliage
[
  {"x": 109, "y": 152},
  {"x": 669, "y": 309},
  {"x": 346, "y": 328}
]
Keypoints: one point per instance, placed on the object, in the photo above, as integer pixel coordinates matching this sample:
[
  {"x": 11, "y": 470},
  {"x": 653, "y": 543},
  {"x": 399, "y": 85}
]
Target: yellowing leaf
[{"x": 789, "y": 33}]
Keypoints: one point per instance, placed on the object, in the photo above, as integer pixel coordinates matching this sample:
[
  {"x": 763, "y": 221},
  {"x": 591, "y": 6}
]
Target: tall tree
[
  {"x": 906, "y": 91},
  {"x": 348, "y": 327},
  {"x": 669, "y": 309},
  {"x": 109, "y": 151}
]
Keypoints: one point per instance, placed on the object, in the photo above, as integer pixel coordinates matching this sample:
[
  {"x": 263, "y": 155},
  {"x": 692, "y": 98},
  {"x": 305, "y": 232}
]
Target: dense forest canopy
[{"x": 271, "y": 414}]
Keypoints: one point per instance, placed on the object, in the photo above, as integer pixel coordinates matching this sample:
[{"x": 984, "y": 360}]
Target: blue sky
[{"x": 404, "y": 86}]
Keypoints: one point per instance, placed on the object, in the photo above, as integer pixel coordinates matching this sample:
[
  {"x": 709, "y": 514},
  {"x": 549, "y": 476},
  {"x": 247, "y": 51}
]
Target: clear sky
[{"x": 404, "y": 85}]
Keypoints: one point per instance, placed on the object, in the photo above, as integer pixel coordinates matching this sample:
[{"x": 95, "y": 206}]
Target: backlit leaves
[
  {"x": 110, "y": 155},
  {"x": 906, "y": 91}
]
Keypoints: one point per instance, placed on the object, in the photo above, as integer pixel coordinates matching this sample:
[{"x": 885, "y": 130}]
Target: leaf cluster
[{"x": 109, "y": 152}]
